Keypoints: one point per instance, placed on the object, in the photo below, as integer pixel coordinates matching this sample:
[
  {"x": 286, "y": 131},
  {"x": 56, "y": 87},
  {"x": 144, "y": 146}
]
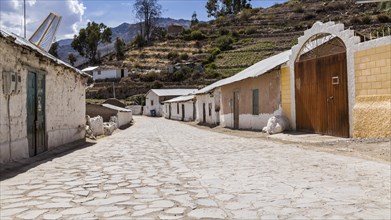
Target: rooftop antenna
[{"x": 44, "y": 36}]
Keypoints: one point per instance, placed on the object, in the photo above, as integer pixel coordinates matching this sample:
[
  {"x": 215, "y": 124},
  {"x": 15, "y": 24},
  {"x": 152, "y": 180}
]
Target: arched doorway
[{"x": 321, "y": 86}]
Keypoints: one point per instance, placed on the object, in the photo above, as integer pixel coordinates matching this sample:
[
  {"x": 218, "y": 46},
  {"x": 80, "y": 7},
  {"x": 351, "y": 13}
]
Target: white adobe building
[
  {"x": 98, "y": 72},
  {"x": 42, "y": 100},
  {"x": 155, "y": 98},
  {"x": 182, "y": 108},
  {"x": 208, "y": 106}
]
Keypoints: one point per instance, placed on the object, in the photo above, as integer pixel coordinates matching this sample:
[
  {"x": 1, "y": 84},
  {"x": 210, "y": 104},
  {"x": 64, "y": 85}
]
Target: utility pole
[
  {"x": 24, "y": 17},
  {"x": 113, "y": 90}
]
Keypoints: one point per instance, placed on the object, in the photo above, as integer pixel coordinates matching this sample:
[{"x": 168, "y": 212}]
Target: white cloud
[{"x": 72, "y": 12}]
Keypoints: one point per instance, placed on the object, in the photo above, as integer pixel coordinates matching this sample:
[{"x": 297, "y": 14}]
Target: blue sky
[{"x": 76, "y": 13}]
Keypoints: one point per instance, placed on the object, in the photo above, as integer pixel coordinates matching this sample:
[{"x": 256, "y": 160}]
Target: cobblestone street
[{"x": 162, "y": 169}]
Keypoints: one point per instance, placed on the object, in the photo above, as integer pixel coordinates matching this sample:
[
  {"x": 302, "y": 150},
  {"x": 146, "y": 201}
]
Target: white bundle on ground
[
  {"x": 109, "y": 127},
  {"x": 96, "y": 126},
  {"x": 276, "y": 124}
]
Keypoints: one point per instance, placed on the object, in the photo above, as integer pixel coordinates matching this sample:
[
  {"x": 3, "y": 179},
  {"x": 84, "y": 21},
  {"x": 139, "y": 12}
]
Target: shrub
[
  {"x": 149, "y": 77},
  {"x": 139, "y": 41},
  {"x": 241, "y": 31},
  {"x": 211, "y": 66},
  {"x": 215, "y": 52},
  {"x": 235, "y": 34},
  {"x": 299, "y": 9},
  {"x": 355, "y": 20},
  {"x": 211, "y": 74},
  {"x": 184, "y": 56},
  {"x": 197, "y": 35},
  {"x": 172, "y": 55},
  {"x": 181, "y": 74},
  {"x": 366, "y": 19},
  {"x": 383, "y": 18},
  {"x": 309, "y": 16},
  {"x": 155, "y": 85},
  {"x": 225, "y": 43},
  {"x": 223, "y": 31},
  {"x": 251, "y": 30},
  {"x": 245, "y": 14}
]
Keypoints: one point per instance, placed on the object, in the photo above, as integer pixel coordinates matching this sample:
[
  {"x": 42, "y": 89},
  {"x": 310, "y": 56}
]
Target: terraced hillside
[{"x": 227, "y": 45}]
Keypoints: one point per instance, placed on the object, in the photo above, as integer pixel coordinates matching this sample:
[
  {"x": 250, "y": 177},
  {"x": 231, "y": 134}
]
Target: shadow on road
[{"x": 13, "y": 169}]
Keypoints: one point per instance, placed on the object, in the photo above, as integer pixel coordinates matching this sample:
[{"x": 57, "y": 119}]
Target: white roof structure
[
  {"x": 172, "y": 92},
  {"x": 116, "y": 108},
  {"x": 27, "y": 44},
  {"x": 184, "y": 98},
  {"x": 253, "y": 71},
  {"x": 90, "y": 68}
]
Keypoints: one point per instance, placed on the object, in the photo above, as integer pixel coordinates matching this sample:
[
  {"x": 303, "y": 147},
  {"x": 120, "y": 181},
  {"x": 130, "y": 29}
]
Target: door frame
[
  {"x": 183, "y": 112},
  {"x": 204, "y": 112},
  {"x": 33, "y": 147}
]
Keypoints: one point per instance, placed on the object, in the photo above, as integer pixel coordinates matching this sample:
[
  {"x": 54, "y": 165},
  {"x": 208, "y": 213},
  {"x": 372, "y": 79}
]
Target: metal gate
[
  {"x": 36, "y": 130},
  {"x": 322, "y": 95}
]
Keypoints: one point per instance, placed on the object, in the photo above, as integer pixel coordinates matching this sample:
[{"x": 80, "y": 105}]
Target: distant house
[
  {"x": 106, "y": 72},
  {"x": 175, "y": 29},
  {"x": 42, "y": 100},
  {"x": 208, "y": 106},
  {"x": 181, "y": 108},
  {"x": 106, "y": 111},
  {"x": 155, "y": 98}
]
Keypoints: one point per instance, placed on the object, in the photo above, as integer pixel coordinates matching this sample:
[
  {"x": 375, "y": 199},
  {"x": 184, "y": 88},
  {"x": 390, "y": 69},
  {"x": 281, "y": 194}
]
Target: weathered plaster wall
[
  {"x": 124, "y": 118},
  {"x": 94, "y": 110},
  {"x": 215, "y": 99},
  {"x": 286, "y": 92},
  {"x": 65, "y": 102},
  {"x": 178, "y": 116},
  {"x": 269, "y": 101},
  {"x": 136, "y": 109},
  {"x": 372, "y": 110}
]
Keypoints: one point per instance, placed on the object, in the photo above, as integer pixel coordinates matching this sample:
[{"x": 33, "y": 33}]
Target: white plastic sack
[
  {"x": 96, "y": 126},
  {"x": 109, "y": 127},
  {"x": 276, "y": 124}
]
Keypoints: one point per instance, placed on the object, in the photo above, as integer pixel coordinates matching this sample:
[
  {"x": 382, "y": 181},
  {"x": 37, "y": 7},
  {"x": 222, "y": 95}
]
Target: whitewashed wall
[
  {"x": 214, "y": 99},
  {"x": 65, "y": 103},
  {"x": 156, "y": 104},
  {"x": 136, "y": 109},
  {"x": 109, "y": 73},
  {"x": 189, "y": 109},
  {"x": 124, "y": 118}
]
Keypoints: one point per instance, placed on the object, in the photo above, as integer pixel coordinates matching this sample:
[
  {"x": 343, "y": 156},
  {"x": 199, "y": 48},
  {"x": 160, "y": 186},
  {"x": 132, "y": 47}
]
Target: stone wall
[{"x": 65, "y": 102}]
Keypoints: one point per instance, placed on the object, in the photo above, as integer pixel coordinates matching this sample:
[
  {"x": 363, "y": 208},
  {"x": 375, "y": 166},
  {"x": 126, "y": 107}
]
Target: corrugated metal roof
[
  {"x": 173, "y": 92},
  {"x": 253, "y": 71},
  {"x": 181, "y": 99},
  {"x": 116, "y": 108},
  {"x": 90, "y": 68},
  {"x": 25, "y": 43}
]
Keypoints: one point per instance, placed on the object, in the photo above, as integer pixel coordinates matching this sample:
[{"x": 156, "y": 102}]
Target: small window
[
  {"x": 177, "y": 108},
  {"x": 99, "y": 72},
  {"x": 210, "y": 109},
  {"x": 151, "y": 102},
  {"x": 255, "y": 102}
]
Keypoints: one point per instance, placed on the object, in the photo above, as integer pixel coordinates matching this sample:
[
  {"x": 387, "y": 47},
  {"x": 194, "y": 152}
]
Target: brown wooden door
[
  {"x": 236, "y": 110},
  {"x": 204, "y": 113},
  {"x": 183, "y": 112},
  {"x": 321, "y": 95}
]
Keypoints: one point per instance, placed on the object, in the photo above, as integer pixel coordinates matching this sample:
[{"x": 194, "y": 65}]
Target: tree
[
  {"x": 194, "y": 19},
  {"x": 218, "y": 8},
  {"x": 72, "y": 59},
  {"x": 119, "y": 48},
  {"x": 147, "y": 12},
  {"x": 86, "y": 43},
  {"x": 106, "y": 38},
  {"x": 53, "y": 49}
]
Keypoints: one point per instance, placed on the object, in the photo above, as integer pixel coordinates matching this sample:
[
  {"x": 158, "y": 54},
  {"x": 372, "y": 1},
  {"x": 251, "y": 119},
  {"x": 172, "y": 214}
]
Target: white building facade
[
  {"x": 42, "y": 100},
  {"x": 208, "y": 107},
  {"x": 155, "y": 98},
  {"x": 106, "y": 73},
  {"x": 182, "y": 108}
]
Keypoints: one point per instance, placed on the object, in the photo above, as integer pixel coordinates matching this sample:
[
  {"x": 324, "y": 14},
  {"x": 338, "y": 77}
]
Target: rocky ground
[{"x": 161, "y": 169}]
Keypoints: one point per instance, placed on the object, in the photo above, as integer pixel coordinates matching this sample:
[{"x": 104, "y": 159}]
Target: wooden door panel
[
  {"x": 321, "y": 103},
  {"x": 31, "y": 113},
  {"x": 41, "y": 128},
  {"x": 236, "y": 110}
]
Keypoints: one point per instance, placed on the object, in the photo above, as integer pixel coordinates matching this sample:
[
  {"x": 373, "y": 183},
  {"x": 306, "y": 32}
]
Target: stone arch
[{"x": 349, "y": 40}]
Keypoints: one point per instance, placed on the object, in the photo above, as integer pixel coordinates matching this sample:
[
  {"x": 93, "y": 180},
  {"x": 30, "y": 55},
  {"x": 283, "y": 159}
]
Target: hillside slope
[{"x": 255, "y": 34}]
